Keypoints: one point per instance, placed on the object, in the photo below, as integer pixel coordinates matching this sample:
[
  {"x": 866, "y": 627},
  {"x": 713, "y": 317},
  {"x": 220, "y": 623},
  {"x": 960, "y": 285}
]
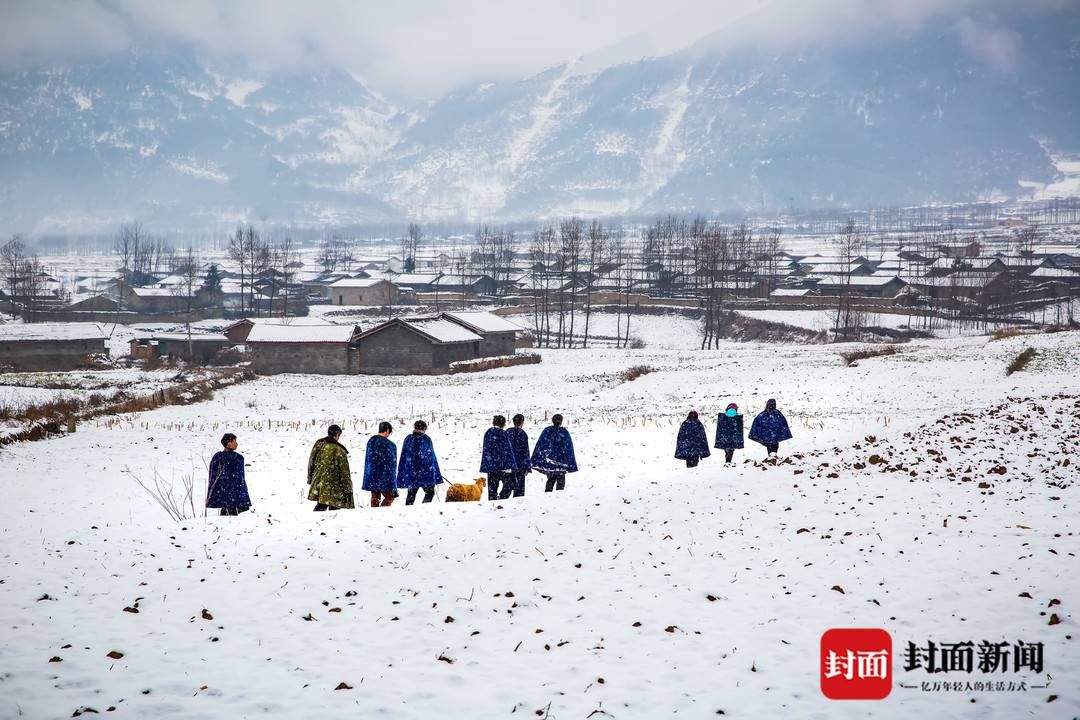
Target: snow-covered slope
[{"x": 644, "y": 590}]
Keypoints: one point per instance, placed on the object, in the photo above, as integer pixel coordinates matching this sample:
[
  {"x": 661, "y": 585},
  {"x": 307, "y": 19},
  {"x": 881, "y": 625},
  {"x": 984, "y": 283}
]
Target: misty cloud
[{"x": 423, "y": 48}]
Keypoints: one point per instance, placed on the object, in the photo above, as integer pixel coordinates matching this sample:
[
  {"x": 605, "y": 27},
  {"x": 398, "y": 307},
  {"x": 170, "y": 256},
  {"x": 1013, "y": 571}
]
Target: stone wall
[
  {"x": 315, "y": 358},
  {"x": 490, "y": 363},
  {"x": 497, "y": 344},
  {"x": 396, "y": 351},
  {"x": 42, "y": 355}
]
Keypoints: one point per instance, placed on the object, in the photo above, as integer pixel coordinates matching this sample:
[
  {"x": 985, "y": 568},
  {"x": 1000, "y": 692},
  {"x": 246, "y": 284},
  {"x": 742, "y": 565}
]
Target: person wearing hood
[
  {"x": 553, "y": 454},
  {"x": 497, "y": 459},
  {"x": 380, "y": 467},
  {"x": 227, "y": 488},
  {"x": 729, "y": 432},
  {"x": 692, "y": 443},
  {"x": 418, "y": 466},
  {"x": 519, "y": 442},
  {"x": 328, "y": 473},
  {"x": 770, "y": 428}
]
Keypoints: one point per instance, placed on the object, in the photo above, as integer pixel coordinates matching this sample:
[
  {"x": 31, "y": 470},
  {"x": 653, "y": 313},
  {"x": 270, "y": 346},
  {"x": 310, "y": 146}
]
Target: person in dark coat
[
  {"x": 553, "y": 454},
  {"x": 497, "y": 458},
  {"x": 418, "y": 466},
  {"x": 692, "y": 443},
  {"x": 226, "y": 488},
  {"x": 519, "y": 443},
  {"x": 380, "y": 467},
  {"x": 729, "y": 432},
  {"x": 770, "y": 428}
]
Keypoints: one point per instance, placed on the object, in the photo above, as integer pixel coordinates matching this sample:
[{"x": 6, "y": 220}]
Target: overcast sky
[{"x": 423, "y": 48}]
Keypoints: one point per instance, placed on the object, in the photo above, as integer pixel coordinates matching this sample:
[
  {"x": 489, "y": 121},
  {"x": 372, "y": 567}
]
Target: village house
[
  {"x": 198, "y": 348},
  {"x": 467, "y": 284},
  {"x": 318, "y": 349},
  {"x": 861, "y": 285},
  {"x": 362, "y": 291},
  {"x": 417, "y": 282},
  {"x": 983, "y": 287},
  {"x": 50, "y": 346},
  {"x": 238, "y": 331},
  {"x": 1070, "y": 278},
  {"x": 499, "y": 335},
  {"x": 415, "y": 346}
]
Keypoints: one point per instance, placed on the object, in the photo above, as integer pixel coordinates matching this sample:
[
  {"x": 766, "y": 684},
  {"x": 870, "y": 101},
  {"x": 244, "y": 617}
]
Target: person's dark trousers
[
  {"x": 519, "y": 484},
  {"x": 429, "y": 493},
  {"x": 771, "y": 448},
  {"x": 555, "y": 481},
  {"x": 322, "y": 507},
  {"x": 728, "y": 454},
  {"x": 514, "y": 484},
  {"x": 496, "y": 480},
  {"x": 692, "y": 462},
  {"x": 230, "y": 511}
]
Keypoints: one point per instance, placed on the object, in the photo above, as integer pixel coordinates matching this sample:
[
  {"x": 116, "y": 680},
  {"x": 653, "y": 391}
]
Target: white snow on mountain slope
[{"x": 687, "y": 592}]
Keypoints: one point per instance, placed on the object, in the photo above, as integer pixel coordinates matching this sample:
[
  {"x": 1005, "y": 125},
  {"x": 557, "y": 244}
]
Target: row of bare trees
[
  {"x": 24, "y": 275},
  {"x": 141, "y": 252},
  {"x": 253, "y": 257}
]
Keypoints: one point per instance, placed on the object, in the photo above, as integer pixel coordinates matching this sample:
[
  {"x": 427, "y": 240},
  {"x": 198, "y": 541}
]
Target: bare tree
[
  {"x": 597, "y": 241},
  {"x": 252, "y": 256},
  {"x": 31, "y": 283},
  {"x": 850, "y": 244},
  {"x": 1028, "y": 239},
  {"x": 413, "y": 238},
  {"x": 12, "y": 254},
  {"x": 570, "y": 241},
  {"x": 128, "y": 244},
  {"x": 189, "y": 270}
]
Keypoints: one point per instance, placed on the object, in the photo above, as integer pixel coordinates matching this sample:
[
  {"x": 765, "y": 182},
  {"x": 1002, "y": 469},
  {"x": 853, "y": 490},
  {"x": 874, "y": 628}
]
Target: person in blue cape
[
  {"x": 692, "y": 443},
  {"x": 553, "y": 454},
  {"x": 418, "y": 466},
  {"x": 380, "y": 467},
  {"x": 519, "y": 443},
  {"x": 729, "y": 432},
  {"x": 226, "y": 487},
  {"x": 770, "y": 428},
  {"x": 497, "y": 458}
]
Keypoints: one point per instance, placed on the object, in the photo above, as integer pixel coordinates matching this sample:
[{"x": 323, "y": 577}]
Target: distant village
[{"x": 449, "y": 310}]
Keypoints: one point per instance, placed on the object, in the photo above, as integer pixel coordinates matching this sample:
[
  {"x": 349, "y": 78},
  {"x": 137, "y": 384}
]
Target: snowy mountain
[
  {"x": 942, "y": 113},
  {"x": 166, "y": 138}
]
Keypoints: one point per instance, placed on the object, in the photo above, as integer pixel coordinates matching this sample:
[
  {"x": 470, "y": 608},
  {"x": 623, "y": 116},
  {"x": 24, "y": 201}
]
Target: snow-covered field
[{"x": 645, "y": 590}]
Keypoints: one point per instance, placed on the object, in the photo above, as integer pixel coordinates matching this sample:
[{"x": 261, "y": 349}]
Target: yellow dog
[{"x": 464, "y": 492}]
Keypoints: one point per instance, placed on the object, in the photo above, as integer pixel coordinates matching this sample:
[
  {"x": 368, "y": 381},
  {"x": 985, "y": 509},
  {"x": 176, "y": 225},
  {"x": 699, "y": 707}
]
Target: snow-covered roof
[
  {"x": 969, "y": 279},
  {"x": 484, "y": 322},
  {"x": 444, "y": 331},
  {"x": 416, "y": 278},
  {"x": 153, "y": 292},
  {"x": 52, "y": 331},
  {"x": 1051, "y": 272},
  {"x": 356, "y": 282},
  {"x": 857, "y": 280},
  {"x": 791, "y": 292},
  {"x": 267, "y": 333},
  {"x": 195, "y": 337}
]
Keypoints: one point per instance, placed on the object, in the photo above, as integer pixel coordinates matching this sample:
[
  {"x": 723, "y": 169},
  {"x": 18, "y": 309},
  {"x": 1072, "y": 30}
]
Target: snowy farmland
[{"x": 645, "y": 590}]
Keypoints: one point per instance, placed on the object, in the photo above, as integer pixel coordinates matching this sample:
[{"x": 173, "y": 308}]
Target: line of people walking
[
  {"x": 505, "y": 458},
  {"x": 770, "y": 428}
]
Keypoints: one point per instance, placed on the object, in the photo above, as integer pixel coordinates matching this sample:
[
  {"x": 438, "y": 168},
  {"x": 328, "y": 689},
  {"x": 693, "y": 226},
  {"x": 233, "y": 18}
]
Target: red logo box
[{"x": 856, "y": 664}]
